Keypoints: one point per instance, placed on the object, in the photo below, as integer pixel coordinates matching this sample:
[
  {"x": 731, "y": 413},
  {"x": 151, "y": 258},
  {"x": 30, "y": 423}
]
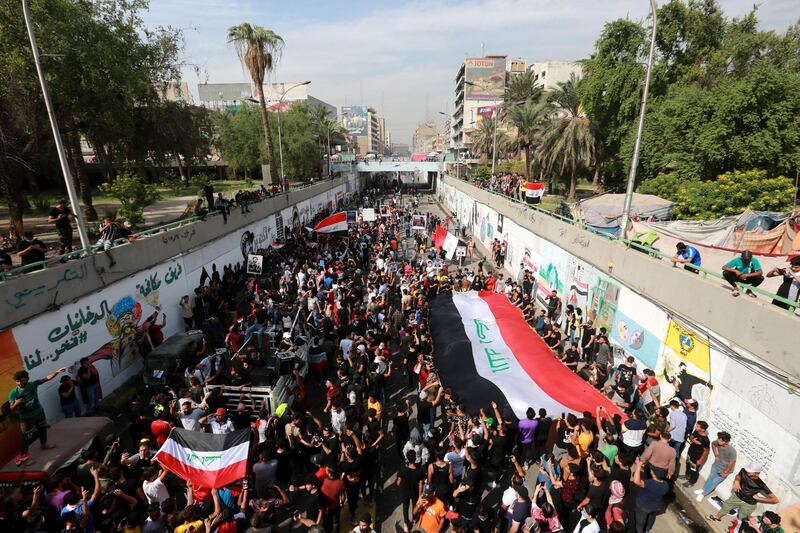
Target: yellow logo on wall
[{"x": 689, "y": 346}]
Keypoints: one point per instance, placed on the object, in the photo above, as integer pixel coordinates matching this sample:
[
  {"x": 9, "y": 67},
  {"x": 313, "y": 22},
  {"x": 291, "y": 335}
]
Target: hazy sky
[{"x": 401, "y": 57}]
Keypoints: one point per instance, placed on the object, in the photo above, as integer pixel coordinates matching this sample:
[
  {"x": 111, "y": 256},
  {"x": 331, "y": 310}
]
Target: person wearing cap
[
  {"x": 744, "y": 269},
  {"x": 748, "y": 491},
  {"x": 60, "y": 217},
  {"x": 688, "y": 255},
  {"x": 431, "y": 511},
  {"x": 697, "y": 454},
  {"x": 790, "y": 287},
  {"x": 70, "y": 404},
  {"x": 220, "y": 423},
  {"x": 724, "y": 461}
]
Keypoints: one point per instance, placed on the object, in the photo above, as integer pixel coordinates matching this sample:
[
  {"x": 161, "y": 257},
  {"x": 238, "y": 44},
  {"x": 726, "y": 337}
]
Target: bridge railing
[
  {"x": 76, "y": 254},
  {"x": 653, "y": 252}
]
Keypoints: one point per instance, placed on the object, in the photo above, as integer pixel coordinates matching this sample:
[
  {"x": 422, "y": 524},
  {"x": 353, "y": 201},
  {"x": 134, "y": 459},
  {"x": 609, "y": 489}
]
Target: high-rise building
[
  {"x": 480, "y": 84},
  {"x": 550, "y": 73},
  {"x": 363, "y": 126},
  {"x": 424, "y": 139}
]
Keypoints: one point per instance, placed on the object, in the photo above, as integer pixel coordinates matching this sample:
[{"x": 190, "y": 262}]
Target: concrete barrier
[{"x": 28, "y": 295}]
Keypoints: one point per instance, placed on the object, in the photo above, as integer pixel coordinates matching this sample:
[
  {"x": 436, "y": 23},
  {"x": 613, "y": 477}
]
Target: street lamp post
[
  {"x": 62, "y": 155},
  {"x": 626, "y": 210},
  {"x": 280, "y": 133}
]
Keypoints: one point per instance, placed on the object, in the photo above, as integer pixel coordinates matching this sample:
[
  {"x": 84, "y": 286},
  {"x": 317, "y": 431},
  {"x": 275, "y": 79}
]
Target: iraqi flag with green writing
[
  {"x": 206, "y": 459},
  {"x": 485, "y": 351}
]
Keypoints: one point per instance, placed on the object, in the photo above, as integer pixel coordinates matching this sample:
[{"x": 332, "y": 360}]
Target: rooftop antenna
[{"x": 483, "y": 46}]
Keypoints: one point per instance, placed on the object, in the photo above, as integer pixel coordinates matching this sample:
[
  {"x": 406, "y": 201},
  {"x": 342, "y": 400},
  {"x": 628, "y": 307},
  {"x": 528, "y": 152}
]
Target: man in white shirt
[
  {"x": 192, "y": 418},
  {"x": 346, "y": 345},
  {"x": 220, "y": 424},
  {"x": 153, "y": 486}
]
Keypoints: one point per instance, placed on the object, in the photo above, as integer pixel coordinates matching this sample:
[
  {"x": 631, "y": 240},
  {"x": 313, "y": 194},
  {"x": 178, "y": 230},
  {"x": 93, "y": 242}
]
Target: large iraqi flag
[
  {"x": 206, "y": 459},
  {"x": 333, "y": 223},
  {"x": 485, "y": 351}
]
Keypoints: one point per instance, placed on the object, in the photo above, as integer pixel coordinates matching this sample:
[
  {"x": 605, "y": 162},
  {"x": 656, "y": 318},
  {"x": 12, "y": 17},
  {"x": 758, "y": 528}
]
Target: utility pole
[
  {"x": 626, "y": 210},
  {"x": 62, "y": 155}
]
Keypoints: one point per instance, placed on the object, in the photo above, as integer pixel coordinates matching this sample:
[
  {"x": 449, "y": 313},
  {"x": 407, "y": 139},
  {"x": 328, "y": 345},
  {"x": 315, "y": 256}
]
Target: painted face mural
[{"x": 121, "y": 325}]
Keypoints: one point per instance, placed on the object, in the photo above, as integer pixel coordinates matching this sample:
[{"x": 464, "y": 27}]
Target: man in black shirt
[
  {"x": 699, "y": 445},
  {"x": 5, "y": 261},
  {"x": 31, "y": 251},
  {"x": 409, "y": 479},
  {"x": 60, "y": 217},
  {"x": 571, "y": 357}
]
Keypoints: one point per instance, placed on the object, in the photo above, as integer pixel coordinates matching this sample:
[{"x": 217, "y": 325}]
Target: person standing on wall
[
  {"x": 24, "y": 400},
  {"x": 60, "y": 217},
  {"x": 89, "y": 378}
]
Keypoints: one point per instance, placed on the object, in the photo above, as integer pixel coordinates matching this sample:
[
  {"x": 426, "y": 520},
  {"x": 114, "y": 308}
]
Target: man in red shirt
[
  {"x": 155, "y": 330},
  {"x": 333, "y": 492}
]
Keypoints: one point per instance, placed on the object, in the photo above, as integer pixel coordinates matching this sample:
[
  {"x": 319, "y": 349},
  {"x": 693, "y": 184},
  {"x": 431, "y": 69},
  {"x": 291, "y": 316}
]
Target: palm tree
[
  {"x": 326, "y": 127},
  {"x": 570, "y": 138},
  {"x": 529, "y": 121},
  {"x": 259, "y": 50},
  {"x": 483, "y": 139},
  {"x": 520, "y": 88}
]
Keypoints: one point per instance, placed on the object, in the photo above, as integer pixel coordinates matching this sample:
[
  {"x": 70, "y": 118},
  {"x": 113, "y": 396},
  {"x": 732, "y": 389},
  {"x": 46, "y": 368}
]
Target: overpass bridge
[{"x": 375, "y": 167}]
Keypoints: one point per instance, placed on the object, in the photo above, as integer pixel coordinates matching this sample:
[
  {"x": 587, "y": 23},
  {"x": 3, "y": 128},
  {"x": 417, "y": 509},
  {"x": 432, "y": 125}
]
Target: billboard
[
  {"x": 488, "y": 76},
  {"x": 354, "y": 119},
  {"x": 485, "y": 112}
]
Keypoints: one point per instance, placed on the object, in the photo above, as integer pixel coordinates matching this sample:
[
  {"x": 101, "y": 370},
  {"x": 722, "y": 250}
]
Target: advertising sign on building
[
  {"x": 486, "y": 77},
  {"x": 486, "y": 112},
  {"x": 354, "y": 119}
]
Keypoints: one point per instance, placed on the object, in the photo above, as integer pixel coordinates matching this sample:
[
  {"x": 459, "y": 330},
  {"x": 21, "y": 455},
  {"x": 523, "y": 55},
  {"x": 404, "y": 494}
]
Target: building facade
[
  {"x": 365, "y": 128},
  {"x": 279, "y": 96},
  {"x": 480, "y": 84},
  {"x": 424, "y": 139},
  {"x": 550, "y": 73}
]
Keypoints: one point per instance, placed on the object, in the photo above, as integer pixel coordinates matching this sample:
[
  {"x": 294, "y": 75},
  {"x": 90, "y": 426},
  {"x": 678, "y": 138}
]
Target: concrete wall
[
  {"x": 54, "y": 317},
  {"x": 28, "y": 295},
  {"x": 756, "y": 326},
  {"x": 732, "y": 355}
]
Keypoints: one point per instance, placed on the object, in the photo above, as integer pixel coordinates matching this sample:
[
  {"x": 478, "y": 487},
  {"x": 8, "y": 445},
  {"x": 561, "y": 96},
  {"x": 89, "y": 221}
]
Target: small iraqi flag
[
  {"x": 333, "y": 223},
  {"x": 485, "y": 351},
  {"x": 534, "y": 192},
  {"x": 206, "y": 459}
]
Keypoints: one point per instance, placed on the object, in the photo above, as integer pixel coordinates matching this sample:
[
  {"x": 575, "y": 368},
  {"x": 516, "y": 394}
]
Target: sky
[{"x": 401, "y": 57}]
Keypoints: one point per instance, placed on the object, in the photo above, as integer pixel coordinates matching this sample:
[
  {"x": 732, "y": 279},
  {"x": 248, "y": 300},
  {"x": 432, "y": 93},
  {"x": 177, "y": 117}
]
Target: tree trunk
[
  {"x": 81, "y": 176},
  {"x": 267, "y": 138},
  {"x": 181, "y": 171},
  {"x": 527, "y": 163},
  {"x": 16, "y": 211},
  {"x": 573, "y": 182},
  {"x": 597, "y": 174}
]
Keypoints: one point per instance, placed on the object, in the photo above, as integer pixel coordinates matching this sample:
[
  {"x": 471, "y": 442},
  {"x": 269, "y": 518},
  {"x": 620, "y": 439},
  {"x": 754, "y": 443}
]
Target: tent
[{"x": 604, "y": 212}]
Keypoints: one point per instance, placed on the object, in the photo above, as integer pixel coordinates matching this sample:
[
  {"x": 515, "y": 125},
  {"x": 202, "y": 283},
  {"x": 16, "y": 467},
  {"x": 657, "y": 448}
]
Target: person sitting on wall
[
  {"x": 689, "y": 256},
  {"x": 744, "y": 269}
]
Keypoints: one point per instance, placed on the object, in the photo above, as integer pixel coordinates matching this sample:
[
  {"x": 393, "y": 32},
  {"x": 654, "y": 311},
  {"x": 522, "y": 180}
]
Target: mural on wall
[{"x": 734, "y": 393}]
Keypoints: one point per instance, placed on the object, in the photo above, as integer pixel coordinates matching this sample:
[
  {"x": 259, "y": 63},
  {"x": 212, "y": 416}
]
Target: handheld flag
[
  {"x": 206, "y": 459},
  {"x": 333, "y": 223}
]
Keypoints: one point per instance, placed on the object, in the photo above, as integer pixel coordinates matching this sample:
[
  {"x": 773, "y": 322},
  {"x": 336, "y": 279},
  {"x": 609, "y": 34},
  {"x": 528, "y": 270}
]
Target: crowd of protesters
[
  {"x": 361, "y": 302},
  {"x": 512, "y": 185}
]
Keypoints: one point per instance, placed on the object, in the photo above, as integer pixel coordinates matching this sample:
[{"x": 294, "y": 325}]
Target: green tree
[
  {"x": 133, "y": 193},
  {"x": 521, "y": 87},
  {"x": 484, "y": 140},
  {"x": 327, "y": 129},
  {"x": 259, "y": 50},
  {"x": 300, "y": 148},
  {"x": 734, "y": 192},
  {"x": 102, "y": 64},
  {"x": 239, "y": 139},
  {"x": 569, "y": 140},
  {"x": 529, "y": 121}
]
